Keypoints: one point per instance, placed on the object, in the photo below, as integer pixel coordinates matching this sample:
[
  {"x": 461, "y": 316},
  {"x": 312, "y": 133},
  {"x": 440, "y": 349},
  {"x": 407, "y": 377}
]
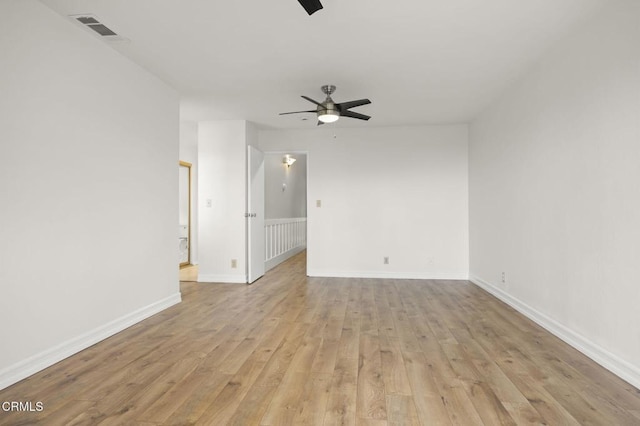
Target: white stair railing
[{"x": 284, "y": 238}]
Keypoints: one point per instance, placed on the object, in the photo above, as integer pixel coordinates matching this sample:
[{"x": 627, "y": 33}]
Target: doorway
[
  {"x": 184, "y": 214},
  {"x": 285, "y": 205},
  {"x": 276, "y": 209}
]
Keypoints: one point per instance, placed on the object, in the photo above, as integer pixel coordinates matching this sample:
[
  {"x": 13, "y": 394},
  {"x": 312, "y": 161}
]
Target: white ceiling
[{"x": 419, "y": 61}]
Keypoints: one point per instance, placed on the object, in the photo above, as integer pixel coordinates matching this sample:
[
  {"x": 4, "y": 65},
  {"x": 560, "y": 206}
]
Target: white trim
[
  {"x": 284, "y": 220},
  {"x": 47, "y": 358},
  {"x": 272, "y": 263},
  {"x": 608, "y": 360},
  {"x": 215, "y": 278},
  {"x": 390, "y": 275}
]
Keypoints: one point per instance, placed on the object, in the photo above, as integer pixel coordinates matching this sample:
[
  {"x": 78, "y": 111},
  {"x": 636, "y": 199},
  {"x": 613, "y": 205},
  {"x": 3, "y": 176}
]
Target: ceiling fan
[
  {"x": 329, "y": 111},
  {"x": 311, "y": 6}
]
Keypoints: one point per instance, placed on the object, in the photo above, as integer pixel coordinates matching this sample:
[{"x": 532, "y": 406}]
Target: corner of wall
[
  {"x": 610, "y": 361},
  {"x": 33, "y": 364}
]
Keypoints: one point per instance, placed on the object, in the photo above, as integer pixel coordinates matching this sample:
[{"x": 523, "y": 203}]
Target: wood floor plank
[
  {"x": 114, "y": 399},
  {"x": 427, "y": 397},
  {"x": 394, "y": 373},
  {"x": 325, "y": 359},
  {"x": 194, "y": 407},
  {"x": 487, "y": 404},
  {"x": 73, "y": 412},
  {"x": 549, "y": 408},
  {"x": 371, "y": 402},
  {"x": 577, "y": 406},
  {"x": 258, "y": 399},
  {"x": 533, "y": 390},
  {"x": 224, "y": 406},
  {"x": 286, "y": 401},
  {"x": 401, "y": 411},
  {"x": 407, "y": 338},
  {"x": 368, "y": 316},
  {"x": 292, "y": 349},
  {"x": 169, "y": 402},
  {"x": 341, "y": 404},
  {"x": 140, "y": 401},
  {"x": 371, "y": 422},
  {"x": 313, "y": 403},
  {"x": 459, "y": 406}
]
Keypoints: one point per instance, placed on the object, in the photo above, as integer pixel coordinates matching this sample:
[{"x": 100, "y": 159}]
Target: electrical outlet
[
  {"x": 318, "y": 203},
  {"x": 386, "y": 260},
  {"x": 504, "y": 278},
  {"x": 234, "y": 263}
]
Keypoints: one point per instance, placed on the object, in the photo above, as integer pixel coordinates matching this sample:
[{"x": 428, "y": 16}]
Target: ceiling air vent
[{"x": 92, "y": 22}]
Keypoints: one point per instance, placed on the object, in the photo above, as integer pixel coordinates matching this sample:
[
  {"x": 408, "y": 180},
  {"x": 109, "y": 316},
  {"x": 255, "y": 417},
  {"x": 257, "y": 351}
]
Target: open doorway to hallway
[
  {"x": 285, "y": 206},
  {"x": 184, "y": 214},
  {"x": 188, "y": 201},
  {"x": 188, "y": 271}
]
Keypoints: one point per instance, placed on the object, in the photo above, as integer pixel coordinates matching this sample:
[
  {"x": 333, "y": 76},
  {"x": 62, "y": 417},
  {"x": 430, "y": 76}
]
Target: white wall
[
  {"x": 399, "y": 192},
  {"x": 292, "y": 201},
  {"x": 189, "y": 153},
  {"x": 88, "y": 190},
  {"x": 222, "y": 147},
  {"x": 555, "y": 196}
]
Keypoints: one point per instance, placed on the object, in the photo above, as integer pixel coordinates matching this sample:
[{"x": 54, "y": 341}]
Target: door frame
[
  {"x": 189, "y": 236},
  {"x": 309, "y": 204}
]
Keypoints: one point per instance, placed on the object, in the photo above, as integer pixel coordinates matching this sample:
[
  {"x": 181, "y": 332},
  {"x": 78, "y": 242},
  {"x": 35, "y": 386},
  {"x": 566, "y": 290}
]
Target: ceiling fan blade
[
  {"x": 296, "y": 112},
  {"x": 312, "y": 101},
  {"x": 352, "y": 114},
  {"x": 352, "y": 104},
  {"x": 311, "y": 6}
]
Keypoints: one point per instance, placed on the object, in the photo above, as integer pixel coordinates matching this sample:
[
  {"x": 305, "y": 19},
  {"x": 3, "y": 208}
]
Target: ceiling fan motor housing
[
  {"x": 328, "y": 106},
  {"x": 328, "y": 89}
]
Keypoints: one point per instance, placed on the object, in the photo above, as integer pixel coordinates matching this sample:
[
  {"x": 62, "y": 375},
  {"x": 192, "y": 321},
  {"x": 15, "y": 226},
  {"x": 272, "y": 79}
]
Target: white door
[{"x": 255, "y": 214}]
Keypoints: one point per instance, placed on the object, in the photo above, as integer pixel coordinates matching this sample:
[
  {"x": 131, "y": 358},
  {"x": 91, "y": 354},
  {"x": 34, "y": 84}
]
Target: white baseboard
[
  {"x": 390, "y": 275},
  {"x": 214, "y": 278},
  {"x": 613, "y": 363},
  {"x": 272, "y": 263},
  {"x": 38, "y": 362}
]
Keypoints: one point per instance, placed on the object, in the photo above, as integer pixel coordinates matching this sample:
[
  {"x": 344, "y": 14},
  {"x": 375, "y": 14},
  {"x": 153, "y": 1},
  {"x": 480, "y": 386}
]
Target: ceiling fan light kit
[
  {"x": 329, "y": 111},
  {"x": 328, "y": 117}
]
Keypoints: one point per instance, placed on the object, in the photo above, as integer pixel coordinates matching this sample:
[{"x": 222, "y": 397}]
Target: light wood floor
[
  {"x": 292, "y": 350},
  {"x": 189, "y": 273}
]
